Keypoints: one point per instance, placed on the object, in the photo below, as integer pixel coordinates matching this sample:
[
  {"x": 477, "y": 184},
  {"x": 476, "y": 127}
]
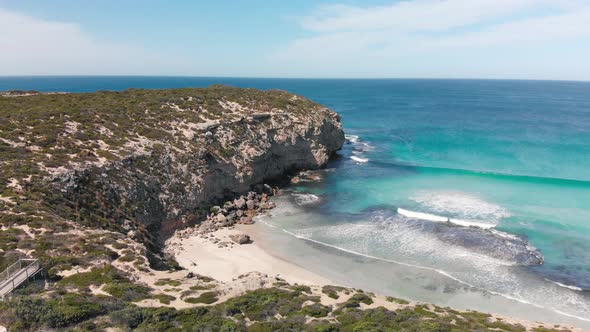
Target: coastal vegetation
[{"x": 270, "y": 309}]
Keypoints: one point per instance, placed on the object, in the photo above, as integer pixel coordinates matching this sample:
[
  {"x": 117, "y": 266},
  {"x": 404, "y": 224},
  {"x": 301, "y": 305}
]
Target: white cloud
[
  {"x": 402, "y": 38},
  {"x": 412, "y": 38},
  {"x": 423, "y": 15},
  {"x": 32, "y": 46}
]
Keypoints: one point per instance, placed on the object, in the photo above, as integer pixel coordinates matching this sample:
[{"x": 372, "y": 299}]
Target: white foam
[
  {"x": 305, "y": 199},
  {"x": 420, "y": 215},
  {"x": 461, "y": 205},
  {"x": 359, "y": 159},
  {"x": 470, "y": 223},
  {"x": 504, "y": 235},
  {"x": 373, "y": 257},
  {"x": 394, "y": 239},
  {"x": 565, "y": 286},
  {"x": 364, "y": 147},
  {"x": 352, "y": 138},
  {"x": 358, "y": 148},
  {"x": 434, "y": 217},
  {"x": 439, "y": 271}
]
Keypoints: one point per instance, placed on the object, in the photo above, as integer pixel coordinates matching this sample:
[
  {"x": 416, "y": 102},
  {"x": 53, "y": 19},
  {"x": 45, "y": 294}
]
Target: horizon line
[{"x": 308, "y": 78}]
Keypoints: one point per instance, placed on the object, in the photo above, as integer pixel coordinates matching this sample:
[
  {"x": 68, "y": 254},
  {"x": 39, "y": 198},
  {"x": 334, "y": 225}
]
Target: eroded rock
[{"x": 240, "y": 238}]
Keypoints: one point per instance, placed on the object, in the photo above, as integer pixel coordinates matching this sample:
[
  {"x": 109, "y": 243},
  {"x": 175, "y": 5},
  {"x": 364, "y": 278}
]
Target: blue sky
[{"x": 525, "y": 39}]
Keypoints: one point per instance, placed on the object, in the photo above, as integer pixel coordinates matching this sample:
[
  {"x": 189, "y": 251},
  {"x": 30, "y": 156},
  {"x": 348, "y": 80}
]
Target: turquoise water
[
  {"x": 515, "y": 154},
  {"x": 511, "y": 158}
]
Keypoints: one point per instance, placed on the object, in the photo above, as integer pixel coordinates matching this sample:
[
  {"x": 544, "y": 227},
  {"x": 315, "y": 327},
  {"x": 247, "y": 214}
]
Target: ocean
[{"x": 484, "y": 184}]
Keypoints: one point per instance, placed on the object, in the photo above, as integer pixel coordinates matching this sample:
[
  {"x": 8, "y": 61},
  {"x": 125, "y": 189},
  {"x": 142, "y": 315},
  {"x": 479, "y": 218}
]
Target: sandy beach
[
  {"x": 215, "y": 255},
  {"x": 225, "y": 260}
]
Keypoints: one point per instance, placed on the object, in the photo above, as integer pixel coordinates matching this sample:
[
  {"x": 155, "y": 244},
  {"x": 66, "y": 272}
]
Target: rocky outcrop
[
  {"x": 191, "y": 150},
  {"x": 239, "y": 211},
  {"x": 240, "y": 238}
]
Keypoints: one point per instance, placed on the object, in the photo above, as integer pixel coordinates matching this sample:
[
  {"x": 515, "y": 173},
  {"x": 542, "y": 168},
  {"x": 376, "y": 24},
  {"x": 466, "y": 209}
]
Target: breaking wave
[
  {"x": 462, "y": 208},
  {"x": 358, "y": 148},
  {"x": 484, "y": 259},
  {"x": 575, "y": 288},
  {"x": 305, "y": 199},
  {"x": 435, "y": 218},
  {"x": 359, "y": 159}
]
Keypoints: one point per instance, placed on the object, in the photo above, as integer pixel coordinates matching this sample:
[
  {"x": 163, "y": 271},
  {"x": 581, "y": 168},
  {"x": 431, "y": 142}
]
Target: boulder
[
  {"x": 229, "y": 205},
  {"x": 267, "y": 205},
  {"x": 240, "y": 203},
  {"x": 250, "y": 204},
  {"x": 240, "y": 238},
  {"x": 246, "y": 220},
  {"x": 220, "y": 218}
]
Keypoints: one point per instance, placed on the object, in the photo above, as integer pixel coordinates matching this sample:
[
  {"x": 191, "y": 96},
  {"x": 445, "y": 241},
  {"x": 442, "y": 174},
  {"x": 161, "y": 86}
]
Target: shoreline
[
  {"x": 217, "y": 256},
  {"x": 259, "y": 261}
]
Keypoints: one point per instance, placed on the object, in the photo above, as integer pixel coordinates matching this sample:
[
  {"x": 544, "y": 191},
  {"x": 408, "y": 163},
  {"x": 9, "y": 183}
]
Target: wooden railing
[{"x": 17, "y": 273}]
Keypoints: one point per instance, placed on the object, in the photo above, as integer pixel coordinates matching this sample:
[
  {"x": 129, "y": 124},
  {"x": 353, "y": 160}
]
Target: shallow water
[
  {"x": 490, "y": 237},
  {"x": 348, "y": 268},
  {"x": 464, "y": 184}
]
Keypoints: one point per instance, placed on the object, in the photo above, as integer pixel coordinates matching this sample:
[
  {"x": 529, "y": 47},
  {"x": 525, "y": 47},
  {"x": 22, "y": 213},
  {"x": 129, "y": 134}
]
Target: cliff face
[{"x": 144, "y": 162}]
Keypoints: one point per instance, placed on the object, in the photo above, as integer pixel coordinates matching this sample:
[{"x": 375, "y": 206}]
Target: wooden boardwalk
[{"x": 16, "y": 274}]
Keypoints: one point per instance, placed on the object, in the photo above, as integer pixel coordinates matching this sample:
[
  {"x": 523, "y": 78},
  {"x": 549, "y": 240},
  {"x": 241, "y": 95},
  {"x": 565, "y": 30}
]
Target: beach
[
  {"x": 228, "y": 261},
  {"x": 276, "y": 254}
]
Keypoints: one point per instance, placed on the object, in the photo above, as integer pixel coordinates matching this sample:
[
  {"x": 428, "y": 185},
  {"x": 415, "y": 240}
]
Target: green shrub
[
  {"x": 396, "y": 300},
  {"x": 59, "y": 312},
  {"x": 129, "y": 317},
  {"x": 316, "y": 310},
  {"x": 356, "y": 300},
  {"x": 263, "y": 303},
  {"x": 127, "y": 291},
  {"x": 201, "y": 287},
  {"x": 288, "y": 324},
  {"x": 332, "y": 291},
  {"x": 167, "y": 281},
  {"x": 205, "y": 298},
  {"x": 195, "y": 319},
  {"x": 164, "y": 298},
  {"x": 71, "y": 309},
  {"x": 423, "y": 311},
  {"x": 96, "y": 276},
  {"x": 301, "y": 289}
]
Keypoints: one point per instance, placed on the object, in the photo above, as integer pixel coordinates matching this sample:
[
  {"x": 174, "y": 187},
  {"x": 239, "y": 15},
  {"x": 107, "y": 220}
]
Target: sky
[{"x": 503, "y": 39}]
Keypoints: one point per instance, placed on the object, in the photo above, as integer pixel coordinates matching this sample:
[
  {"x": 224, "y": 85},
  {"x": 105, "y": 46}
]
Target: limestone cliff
[{"x": 144, "y": 162}]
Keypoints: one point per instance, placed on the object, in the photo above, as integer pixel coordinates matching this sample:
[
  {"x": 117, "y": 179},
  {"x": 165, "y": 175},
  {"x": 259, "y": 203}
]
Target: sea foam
[
  {"x": 566, "y": 286},
  {"x": 359, "y": 159},
  {"x": 358, "y": 148},
  {"x": 351, "y": 138},
  {"x": 435, "y": 218},
  {"x": 305, "y": 199},
  {"x": 420, "y": 215},
  {"x": 393, "y": 238},
  {"x": 461, "y": 208}
]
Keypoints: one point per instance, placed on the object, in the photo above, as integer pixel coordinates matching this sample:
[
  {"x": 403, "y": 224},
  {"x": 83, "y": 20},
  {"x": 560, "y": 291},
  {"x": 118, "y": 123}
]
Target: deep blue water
[{"x": 512, "y": 157}]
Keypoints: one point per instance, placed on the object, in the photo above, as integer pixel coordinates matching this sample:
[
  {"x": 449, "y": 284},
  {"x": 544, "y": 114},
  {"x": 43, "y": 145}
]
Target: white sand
[
  {"x": 226, "y": 264},
  {"x": 203, "y": 256}
]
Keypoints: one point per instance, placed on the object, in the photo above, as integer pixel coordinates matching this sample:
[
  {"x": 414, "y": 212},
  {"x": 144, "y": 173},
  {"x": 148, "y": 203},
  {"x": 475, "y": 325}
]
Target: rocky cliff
[{"x": 146, "y": 162}]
